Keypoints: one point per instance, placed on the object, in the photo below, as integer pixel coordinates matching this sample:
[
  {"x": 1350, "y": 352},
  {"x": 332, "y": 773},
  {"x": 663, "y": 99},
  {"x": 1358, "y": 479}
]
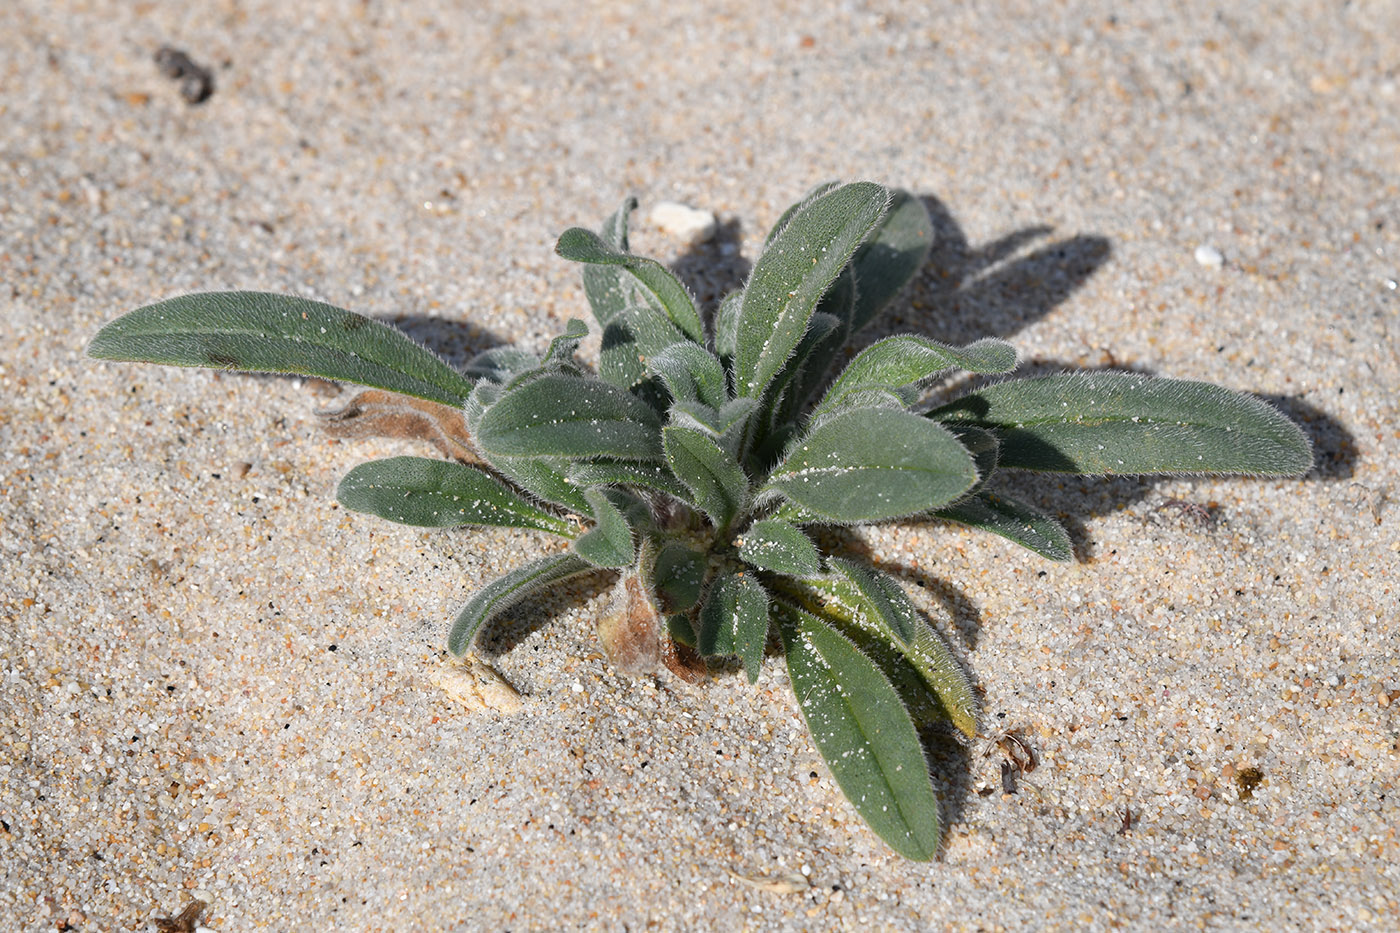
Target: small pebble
[
  {"x": 1209, "y": 256},
  {"x": 683, "y": 221}
]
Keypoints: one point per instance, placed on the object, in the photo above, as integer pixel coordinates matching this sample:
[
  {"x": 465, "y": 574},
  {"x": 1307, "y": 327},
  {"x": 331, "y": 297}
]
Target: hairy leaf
[
  {"x": 619, "y": 473},
  {"x": 609, "y": 542},
  {"x": 1108, "y": 423},
  {"x": 782, "y": 548},
  {"x": 727, "y": 323},
  {"x": 734, "y": 620},
  {"x": 1002, "y": 515},
  {"x": 874, "y": 464},
  {"x": 659, "y": 284},
  {"x": 440, "y": 494},
  {"x": 792, "y": 209},
  {"x": 609, "y": 288},
  {"x": 716, "y": 482},
  {"x": 267, "y": 333},
  {"x": 561, "y": 348},
  {"x": 500, "y": 364},
  {"x": 869, "y": 599},
  {"x": 569, "y": 416},
  {"x": 678, "y": 575},
  {"x": 792, "y": 275},
  {"x": 508, "y": 590},
  {"x": 544, "y": 477},
  {"x": 864, "y": 733},
  {"x": 907, "y": 363},
  {"x": 891, "y": 256},
  {"x": 691, "y": 374},
  {"x": 633, "y": 337}
]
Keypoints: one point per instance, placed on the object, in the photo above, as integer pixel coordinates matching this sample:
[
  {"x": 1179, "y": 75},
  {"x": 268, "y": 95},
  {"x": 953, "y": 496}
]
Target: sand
[{"x": 216, "y": 684}]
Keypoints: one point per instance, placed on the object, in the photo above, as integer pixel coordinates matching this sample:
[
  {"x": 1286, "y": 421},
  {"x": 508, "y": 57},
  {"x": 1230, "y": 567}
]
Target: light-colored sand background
[{"x": 216, "y": 682}]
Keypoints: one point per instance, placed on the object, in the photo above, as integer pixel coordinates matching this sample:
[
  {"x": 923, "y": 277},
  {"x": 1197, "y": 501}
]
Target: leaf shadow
[
  {"x": 714, "y": 268},
  {"x": 506, "y": 632},
  {"x": 966, "y": 292}
]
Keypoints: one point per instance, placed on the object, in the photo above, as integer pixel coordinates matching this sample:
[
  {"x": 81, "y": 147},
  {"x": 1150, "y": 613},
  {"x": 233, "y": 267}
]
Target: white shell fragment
[
  {"x": 476, "y": 685},
  {"x": 683, "y": 221},
  {"x": 1209, "y": 256}
]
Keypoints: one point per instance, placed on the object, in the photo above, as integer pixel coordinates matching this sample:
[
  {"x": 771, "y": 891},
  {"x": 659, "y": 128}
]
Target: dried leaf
[{"x": 376, "y": 413}]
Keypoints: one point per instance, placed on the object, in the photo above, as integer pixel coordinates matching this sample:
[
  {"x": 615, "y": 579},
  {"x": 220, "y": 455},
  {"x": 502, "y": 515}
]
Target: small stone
[
  {"x": 1209, "y": 256},
  {"x": 683, "y": 221}
]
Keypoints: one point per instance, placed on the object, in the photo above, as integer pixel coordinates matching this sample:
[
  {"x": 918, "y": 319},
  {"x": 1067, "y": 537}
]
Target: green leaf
[
  {"x": 793, "y": 208},
  {"x": 1109, "y": 423},
  {"x": 659, "y": 285},
  {"x": 561, "y": 348},
  {"x": 874, "y": 464},
  {"x": 609, "y": 542},
  {"x": 734, "y": 620},
  {"x": 891, "y": 256},
  {"x": 727, "y": 324},
  {"x": 907, "y": 363},
  {"x": 633, "y": 337},
  {"x": 544, "y": 477},
  {"x": 691, "y": 374},
  {"x": 792, "y": 275},
  {"x": 500, "y": 364},
  {"x": 1002, "y": 515},
  {"x": 678, "y": 576},
  {"x": 573, "y": 417},
  {"x": 508, "y": 590},
  {"x": 781, "y": 548},
  {"x": 267, "y": 333},
  {"x": 805, "y": 369},
  {"x": 716, "y": 482},
  {"x": 864, "y": 733},
  {"x": 872, "y": 601},
  {"x": 440, "y": 494},
  {"x": 618, "y": 473},
  {"x": 609, "y": 288}
]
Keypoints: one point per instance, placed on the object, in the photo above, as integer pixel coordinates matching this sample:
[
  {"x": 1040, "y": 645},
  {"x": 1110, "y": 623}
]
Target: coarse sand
[{"x": 215, "y": 684}]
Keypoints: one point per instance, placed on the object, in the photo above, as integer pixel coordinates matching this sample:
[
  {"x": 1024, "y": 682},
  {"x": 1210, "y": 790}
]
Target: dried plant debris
[
  {"x": 186, "y": 921},
  {"x": 476, "y": 685},
  {"x": 704, "y": 460},
  {"x": 196, "y": 81}
]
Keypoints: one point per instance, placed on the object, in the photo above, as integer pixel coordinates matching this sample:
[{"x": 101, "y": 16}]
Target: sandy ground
[{"x": 214, "y": 683}]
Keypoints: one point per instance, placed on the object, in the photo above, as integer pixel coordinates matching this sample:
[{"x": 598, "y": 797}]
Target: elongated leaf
[
  {"x": 716, "y": 482},
  {"x": 727, "y": 324},
  {"x": 734, "y": 620},
  {"x": 267, "y": 333},
  {"x": 609, "y": 288},
  {"x": 908, "y": 363},
  {"x": 805, "y": 369},
  {"x": 659, "y": 284},
  {"x": 609, "y": 542},
  {"x": 1107, "y": 423},
  {"x": 569, "y": 416},
  {"x": 1002, "y": 515},
  {"x": 508, "y": 590},
  {"x": 691, "y": 374},
  {"x": 544, "y": 477},
  {"x": 620, "y": 473},
  {"x": 891, "y": 256},
  {"x": 781, "y": 548},
  {"x": 792, "y": 275},
  {"x": 440, "y": 494},
  {"x": 864, "y": 733},
  {"x": 874, "y": 464},
  {"x": 872, "y": 601},
  {"x": 632, "y": 337}
]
